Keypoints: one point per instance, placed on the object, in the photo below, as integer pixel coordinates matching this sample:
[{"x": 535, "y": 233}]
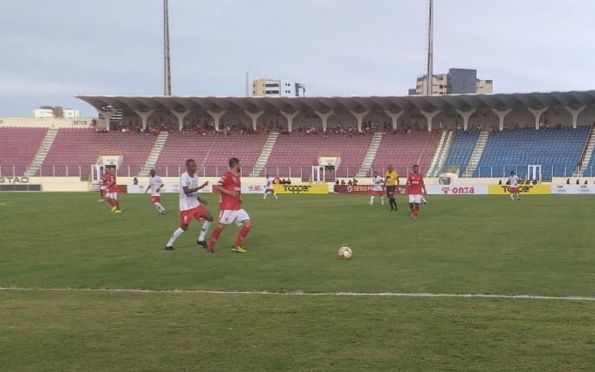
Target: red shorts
[
  {"x": 270, "y": 191},
  {"x": 196, "y": 213},
  {"x": 155, "y": 199},
  {"x": 513, "y": 189},
  {"x": 377, "y": 193}
]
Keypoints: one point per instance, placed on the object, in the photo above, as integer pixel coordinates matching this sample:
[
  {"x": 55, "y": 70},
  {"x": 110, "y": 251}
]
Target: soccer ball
[{"x": 345, "y": 253}]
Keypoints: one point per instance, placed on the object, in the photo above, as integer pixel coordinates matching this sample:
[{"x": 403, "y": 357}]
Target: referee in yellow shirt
[{"x": 391, "y": 180}]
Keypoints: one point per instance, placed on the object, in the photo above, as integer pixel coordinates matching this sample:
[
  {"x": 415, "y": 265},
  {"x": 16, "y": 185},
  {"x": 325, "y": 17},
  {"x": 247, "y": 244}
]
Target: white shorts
[
  {"x": 112, "y": 195},
  {"x": 102, "y": 188},
  {"x": 229, "y": 217},
  {"x": 416, "y": 199}
]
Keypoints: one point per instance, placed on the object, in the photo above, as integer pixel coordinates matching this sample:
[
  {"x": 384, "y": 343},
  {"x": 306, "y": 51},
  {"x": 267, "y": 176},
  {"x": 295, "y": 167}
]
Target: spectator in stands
[
  {"x": 350, "y": 183},
  {"x": 586, "y": 182},
  {"x": 578, "y": 182},
  {"x": 336, "y": 182},
  {"x": 568, "y": 181},
  {"x": 135, "y": 181},
  {"x": 500, "y": 182},
  {"x": 343, "y": 182}
]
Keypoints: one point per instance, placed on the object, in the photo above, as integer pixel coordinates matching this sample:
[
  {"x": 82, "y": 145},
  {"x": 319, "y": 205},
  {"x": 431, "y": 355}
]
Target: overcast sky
[{"x": 53, "y": 50}]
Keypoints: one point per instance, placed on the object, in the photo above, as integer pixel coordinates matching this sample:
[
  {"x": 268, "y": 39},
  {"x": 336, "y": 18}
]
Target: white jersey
[
  {"x": 155, "y": 185},
  {"x": 513, "y": 180},
  {"x": 189, "y": 201},
  {"x": 269, "y": 184},
  {"x": 378, "y": 183}
]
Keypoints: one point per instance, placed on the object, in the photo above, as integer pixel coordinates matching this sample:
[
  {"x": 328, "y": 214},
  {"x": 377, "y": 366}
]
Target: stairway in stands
[
  {"x": 587, "y": 155},
  {"x": 477, "y": 152},
  {"x": 370, "y": 155},
  {"x": 263, "y": 158},
  {"x": 42, "y": 152},
  {"x": 154, "y": 154},
  {"x": 440, "y": 154}
]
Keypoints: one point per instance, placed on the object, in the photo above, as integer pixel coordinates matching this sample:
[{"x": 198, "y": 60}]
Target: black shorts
[{"x": 390, "y": 191}]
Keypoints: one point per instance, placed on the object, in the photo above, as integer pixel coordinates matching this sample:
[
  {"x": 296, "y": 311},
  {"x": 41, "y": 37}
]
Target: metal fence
[{"x": 302, "y": 172}]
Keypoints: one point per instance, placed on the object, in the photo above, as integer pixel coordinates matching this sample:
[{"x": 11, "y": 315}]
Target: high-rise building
[
  {"x": 456, "y": 81},
  {"x": 277, "y": 88}
]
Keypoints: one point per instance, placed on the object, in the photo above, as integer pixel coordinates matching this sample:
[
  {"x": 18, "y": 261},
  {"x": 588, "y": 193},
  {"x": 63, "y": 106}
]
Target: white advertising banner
[
  {"x": 573, "y": 189},
  {"x": 457, "y": 190}
]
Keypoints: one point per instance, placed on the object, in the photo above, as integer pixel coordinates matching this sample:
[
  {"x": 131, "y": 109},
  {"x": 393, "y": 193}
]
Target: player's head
[
  {"x": 390, "y": 168},
  {"x": 512, "y": 173},
  {"x": 152, "y": 172},
  {"x": 415, "y": 168},
  {"x": 375, "y": 173},
  {"x": 234, "y": 164},
  {"x": 191, "y": 166}
]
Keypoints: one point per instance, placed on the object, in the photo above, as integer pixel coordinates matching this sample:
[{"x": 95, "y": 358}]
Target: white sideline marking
[{"x": 310, "y": 294}]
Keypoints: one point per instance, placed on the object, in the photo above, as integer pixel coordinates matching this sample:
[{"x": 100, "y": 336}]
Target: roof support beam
[
  {"x": 254, "y": 116},
  {"x": 217, "y": 117},
  {"x": 107, "y": 116},
  {"x": 501, "y": 114},
  {"x": 466, "y": 115},
  {"x": 429, "y": 117},
  {"x": 324, "y": 118},
  {"x": 394, "y": 116},
  {"x": 359, "y": 116},
  {"x": 575, "y": 113},
  {"x": 537, "y": 114},
  {"x": 144, "y": 117},
  {"x": 180, "y": 116},
  {"x": 289, "y": 118}
]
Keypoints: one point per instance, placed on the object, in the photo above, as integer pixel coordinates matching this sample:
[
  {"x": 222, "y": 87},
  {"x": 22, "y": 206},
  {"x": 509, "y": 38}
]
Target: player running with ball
[
  {"x": 230, "y": 187},
  {"x": 416, "y": 190},
  {"x": 190, "y": 207}
]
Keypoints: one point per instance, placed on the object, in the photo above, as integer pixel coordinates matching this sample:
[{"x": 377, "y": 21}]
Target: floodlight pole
[
  {"x": 430, "y": 72},
  {"x": 166, "y": 57}
]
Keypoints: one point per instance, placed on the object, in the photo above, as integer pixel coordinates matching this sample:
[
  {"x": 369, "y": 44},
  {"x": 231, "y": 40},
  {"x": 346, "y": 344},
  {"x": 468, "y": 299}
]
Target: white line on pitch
[{"x": 311, "y": 294}]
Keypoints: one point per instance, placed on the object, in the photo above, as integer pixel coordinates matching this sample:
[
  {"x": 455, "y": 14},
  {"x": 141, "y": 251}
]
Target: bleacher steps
[
  {"x": 154, "y": 154},
  {"x": 370, "y": 155},
  {"x": 587, "y": 154},
  {"x": 440, "y": 154},
  {"x": 477, "y": 152},
  {"x": 263, "y": 158},
  {"x": 42, "y": 152}
]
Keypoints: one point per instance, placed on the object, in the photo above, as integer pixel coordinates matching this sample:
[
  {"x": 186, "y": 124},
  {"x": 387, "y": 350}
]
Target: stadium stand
[
  {"x": 557, "y": 150},
  {"x": 18, "y": 147},
  {"x": 403, "y": 150},
  {"x": 461, "y": 149},
  {"x": 74, "y": 148},
  {"x": 211, "y": 152},
  {"x": 298, "y": 152}
]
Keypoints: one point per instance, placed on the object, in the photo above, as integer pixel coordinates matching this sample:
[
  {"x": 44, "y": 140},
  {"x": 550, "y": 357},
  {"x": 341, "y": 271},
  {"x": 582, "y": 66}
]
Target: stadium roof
[{"x": 290, "y": 104}]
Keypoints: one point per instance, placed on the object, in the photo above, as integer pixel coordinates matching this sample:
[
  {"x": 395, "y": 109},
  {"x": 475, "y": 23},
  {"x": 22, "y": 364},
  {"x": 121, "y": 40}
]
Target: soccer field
[{"x": 72, "y": 272}]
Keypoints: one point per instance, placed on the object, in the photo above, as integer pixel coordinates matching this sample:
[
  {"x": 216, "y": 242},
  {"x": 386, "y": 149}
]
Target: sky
[{"x": 51, "y": 51}]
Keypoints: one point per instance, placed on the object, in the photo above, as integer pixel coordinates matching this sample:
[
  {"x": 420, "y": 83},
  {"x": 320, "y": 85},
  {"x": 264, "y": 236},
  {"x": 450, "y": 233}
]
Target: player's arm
[
  {"x": 423, "y": 187},
  {"x": 205, "y": 184},
  {"x": 160, "y": 187},
  {"x": 221, "y": 189},
  {"x": 148, "y": 187}
]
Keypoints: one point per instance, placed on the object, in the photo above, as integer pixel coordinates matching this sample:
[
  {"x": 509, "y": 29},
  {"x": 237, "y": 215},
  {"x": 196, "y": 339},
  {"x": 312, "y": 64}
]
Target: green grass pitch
[{"x": 542, "y": 245}]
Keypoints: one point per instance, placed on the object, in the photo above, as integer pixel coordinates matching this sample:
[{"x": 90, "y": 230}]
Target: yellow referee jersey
[{"x": 392, "y": 178}]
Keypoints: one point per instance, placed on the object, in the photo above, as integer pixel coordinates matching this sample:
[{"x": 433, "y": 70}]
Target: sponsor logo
[
  {"x": 463, "y": 190},
  {"x": 14, "y": 180},
  {"x": 296, "y": 189}
]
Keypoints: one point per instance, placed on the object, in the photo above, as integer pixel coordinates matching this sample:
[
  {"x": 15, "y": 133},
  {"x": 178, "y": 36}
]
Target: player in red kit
[
  {"x": 112, "y": 190},
  {"x": 230, "y": 204},
  {"x": 416, "y": 190}
]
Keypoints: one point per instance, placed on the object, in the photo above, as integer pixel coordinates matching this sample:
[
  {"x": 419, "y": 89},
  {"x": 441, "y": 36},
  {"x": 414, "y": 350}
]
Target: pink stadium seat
[
  {"x": 403, "y": 150},
  {"x": 18, "y": 147},
  {"x": 211, "y": 152},
  {"x": 74, "y": 148},
  {"x": 300, "y": 150}
]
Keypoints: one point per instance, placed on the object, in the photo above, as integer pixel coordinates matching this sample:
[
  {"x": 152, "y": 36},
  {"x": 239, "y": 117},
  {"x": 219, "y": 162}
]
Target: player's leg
[
  {"x": 242, "y": 234},
  {"x": 372, "y": 199},
  {"x": 157, "y": 203},
  {"x": 412, "y": 205},
  {"x": 179, "y": 231},
  {"x": 391, "y": 199},
  {"x": 265, "y": 194},
  {"x": 205, "y": 214},
  {"x": 223, "y": 221},
  {"x": 114, "y": 197},
  {"x": 274, "y": 194}
]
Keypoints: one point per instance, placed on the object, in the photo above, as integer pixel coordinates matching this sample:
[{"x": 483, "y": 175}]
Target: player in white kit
[
  {"x": 268, "y": 188},
  {"x": 155, "y": 185},
  {"x": 513, "y": 186},
  {"x": 377, "y": 188}
]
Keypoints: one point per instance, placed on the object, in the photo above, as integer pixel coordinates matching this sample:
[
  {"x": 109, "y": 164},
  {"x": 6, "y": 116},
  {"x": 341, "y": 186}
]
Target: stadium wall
[{"x": 29, "y": 122}]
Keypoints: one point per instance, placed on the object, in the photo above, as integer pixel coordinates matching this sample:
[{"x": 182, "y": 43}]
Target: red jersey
[
  {"x": 104, "y": 181},
  {"x": 110, "y": 181},
  {"x": 230, "y": 181},
  {"x": 416, "y": 180}
]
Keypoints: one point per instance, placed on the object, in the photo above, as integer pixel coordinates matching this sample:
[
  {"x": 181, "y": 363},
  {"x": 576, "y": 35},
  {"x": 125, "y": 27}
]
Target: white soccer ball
[{"x": 345, "y": 253}]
